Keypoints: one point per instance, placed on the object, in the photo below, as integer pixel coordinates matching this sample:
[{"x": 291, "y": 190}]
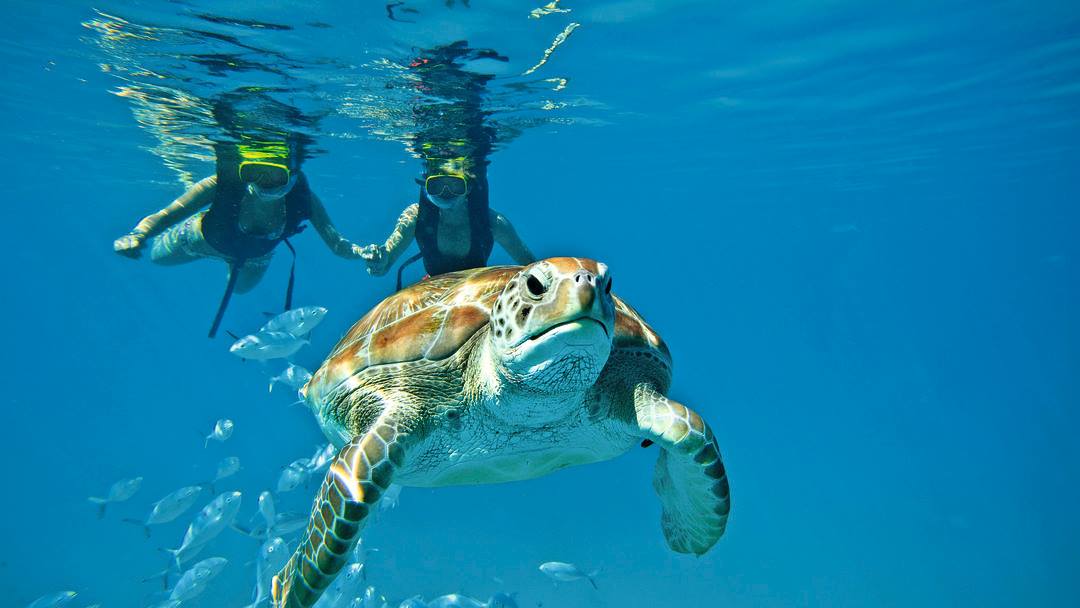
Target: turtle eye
[{"x": 535, "y": 287}]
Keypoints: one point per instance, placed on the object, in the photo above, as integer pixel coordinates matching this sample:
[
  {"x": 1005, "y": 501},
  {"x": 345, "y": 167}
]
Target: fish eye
[{"x": 536, "y": 288}]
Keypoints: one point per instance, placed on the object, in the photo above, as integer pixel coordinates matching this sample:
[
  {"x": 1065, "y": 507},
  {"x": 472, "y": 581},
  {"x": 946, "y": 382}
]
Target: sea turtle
[{"x": 491, "y": 375}]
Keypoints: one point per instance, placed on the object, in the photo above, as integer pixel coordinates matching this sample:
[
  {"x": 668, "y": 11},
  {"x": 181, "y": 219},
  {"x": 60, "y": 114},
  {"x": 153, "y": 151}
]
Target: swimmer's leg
[
  {"x": 251, "y": 273},
  {"x": 181, "y": 244}
]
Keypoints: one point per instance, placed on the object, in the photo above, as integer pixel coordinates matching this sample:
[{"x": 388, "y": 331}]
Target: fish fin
[
  {"x": 242, "y": 530},
  {"x": 175, "y": 554},
  {"x": 163, "y": 575},
  {"x": 101, "y": 504},
  {"x": 146, "y": 528},
  {"x": 592, "y": 576}
]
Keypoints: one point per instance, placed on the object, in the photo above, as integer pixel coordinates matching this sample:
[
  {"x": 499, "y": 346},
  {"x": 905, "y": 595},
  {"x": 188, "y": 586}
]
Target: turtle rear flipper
[
  {"x": 353, "y": 485},
  {"x": 689, "y": 477}
]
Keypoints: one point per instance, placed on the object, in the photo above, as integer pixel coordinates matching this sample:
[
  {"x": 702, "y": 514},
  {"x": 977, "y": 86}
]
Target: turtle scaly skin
[{"x": 492, "y": 375}]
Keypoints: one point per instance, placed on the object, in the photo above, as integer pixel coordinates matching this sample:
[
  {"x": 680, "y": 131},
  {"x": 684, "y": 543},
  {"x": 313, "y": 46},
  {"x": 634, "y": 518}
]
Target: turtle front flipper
[
  {"x": 355, "y": 482},
  {"x": 689, "y": 477}
]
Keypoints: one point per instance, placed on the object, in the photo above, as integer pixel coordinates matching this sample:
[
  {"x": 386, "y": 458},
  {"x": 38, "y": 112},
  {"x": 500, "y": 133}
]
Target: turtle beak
[{"x": 589, "y": 293}]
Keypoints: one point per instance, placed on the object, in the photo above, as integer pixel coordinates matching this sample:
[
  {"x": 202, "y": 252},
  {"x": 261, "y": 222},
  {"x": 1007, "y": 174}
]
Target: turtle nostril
[{"x": 584, "y": 276}]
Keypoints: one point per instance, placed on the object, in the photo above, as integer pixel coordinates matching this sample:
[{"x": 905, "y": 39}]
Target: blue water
[{"x": 853, "y": 223}]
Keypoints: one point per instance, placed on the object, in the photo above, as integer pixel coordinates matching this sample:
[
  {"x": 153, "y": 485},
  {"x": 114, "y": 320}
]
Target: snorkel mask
[
  {"x": 446, "y": 185},
  {"x": 265, "y": 169},
  {"x": 267, "y": 180}
]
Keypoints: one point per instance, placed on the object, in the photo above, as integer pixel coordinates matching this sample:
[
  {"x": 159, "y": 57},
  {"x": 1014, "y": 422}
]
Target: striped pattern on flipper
[
  {"x": 355, "y": 482},
  {"x": 689, "y": 477}
]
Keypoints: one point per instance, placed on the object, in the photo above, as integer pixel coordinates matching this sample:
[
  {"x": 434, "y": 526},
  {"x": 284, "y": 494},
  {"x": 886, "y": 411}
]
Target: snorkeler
[
  {"x": 257, "y": 199},
  {"x": 451, "y": 223}
]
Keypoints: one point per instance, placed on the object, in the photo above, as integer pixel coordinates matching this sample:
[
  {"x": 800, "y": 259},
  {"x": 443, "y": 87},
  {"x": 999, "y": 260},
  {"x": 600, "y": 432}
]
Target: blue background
[{"x": 854, "y": 224}]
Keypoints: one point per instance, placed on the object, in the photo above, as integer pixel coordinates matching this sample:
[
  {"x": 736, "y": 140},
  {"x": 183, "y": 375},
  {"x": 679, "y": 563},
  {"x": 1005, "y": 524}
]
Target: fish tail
[
  {"x": 101, "y": 504},
  {"x": 243, "y": 530},
  {"x": 591, "y": 576},
  {"x": 175, "y": 554},
  {"x": 135, "y": 522},
  {"x": 163, "y": 575}
]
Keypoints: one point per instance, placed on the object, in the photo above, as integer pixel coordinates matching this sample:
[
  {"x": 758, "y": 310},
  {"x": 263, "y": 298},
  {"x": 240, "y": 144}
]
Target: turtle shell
[{"x": 432, "y": 319}]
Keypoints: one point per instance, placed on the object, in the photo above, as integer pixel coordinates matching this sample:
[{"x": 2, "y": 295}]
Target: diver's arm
[
  {"x": 508, "y": 239},
  {"x": 381, "y": 257},
  {"x": 196, "y": 197},
  {"x": 338, "y": 244}
]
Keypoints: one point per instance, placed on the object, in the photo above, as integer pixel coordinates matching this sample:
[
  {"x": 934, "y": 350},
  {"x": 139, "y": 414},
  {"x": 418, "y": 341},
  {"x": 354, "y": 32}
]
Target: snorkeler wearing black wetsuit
[{"x": 452, "y": 222}]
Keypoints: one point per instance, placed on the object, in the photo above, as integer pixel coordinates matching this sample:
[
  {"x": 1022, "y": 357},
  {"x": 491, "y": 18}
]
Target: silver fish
[
  {"x": 360, "y": 552},
  {"x": 321, "y": 459},
  {"x": 169, "y": 508},
  {"x": 264, "y": 346},
  {"x": 391, "y": 498},
  {"x": 223, "y": 429},
  {"x": 564, "y": 572},
  {"x": 293, "y": 376},
  {"x": 370, "y": 599},
  {"x": 284, "y": 525},
  {"x": 455, "y": 600},
  {"x": 273, "y": 555},
  {"x": 289, "y": 522},
  {"x": 118, "y": 492},
  {"x": 53, "y": 600},
  {"x": 298, "y": 321},
  {"x": 293, "y": 476},
  {"x": 193, "y": 582},
  {"x": 267, "y": 509},
  {"x": 225, "y": 469},
  {"x": 211, "y": 521},
  {"x": 348, "y": 584}
]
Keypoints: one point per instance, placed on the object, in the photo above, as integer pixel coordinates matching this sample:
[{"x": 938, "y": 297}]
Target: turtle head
[{"x": 552, "y": 326}]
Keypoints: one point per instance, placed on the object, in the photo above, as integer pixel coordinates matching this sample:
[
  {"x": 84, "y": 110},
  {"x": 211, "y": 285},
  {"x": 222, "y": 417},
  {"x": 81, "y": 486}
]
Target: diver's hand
[
  {"x": 376, "y": 259},
  {"x": 129, "y": 245}
]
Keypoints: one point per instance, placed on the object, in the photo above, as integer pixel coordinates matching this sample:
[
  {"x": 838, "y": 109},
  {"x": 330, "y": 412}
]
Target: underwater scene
[{"x": 530, "y": 304}]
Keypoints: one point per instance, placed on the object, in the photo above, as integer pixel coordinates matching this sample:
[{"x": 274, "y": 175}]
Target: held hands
[
  {"x": 129, "y": 245},
  {"x": 376, "y": 258}
]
